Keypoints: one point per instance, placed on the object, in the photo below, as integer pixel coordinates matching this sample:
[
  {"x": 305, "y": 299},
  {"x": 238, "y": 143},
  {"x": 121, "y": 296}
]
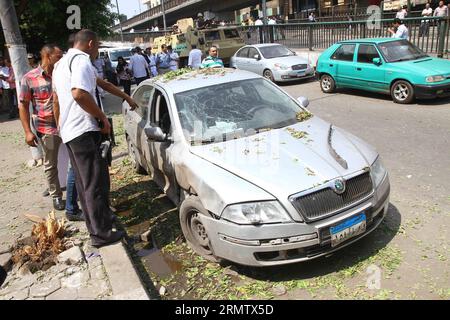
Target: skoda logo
[{"x": 339, "y": 186}]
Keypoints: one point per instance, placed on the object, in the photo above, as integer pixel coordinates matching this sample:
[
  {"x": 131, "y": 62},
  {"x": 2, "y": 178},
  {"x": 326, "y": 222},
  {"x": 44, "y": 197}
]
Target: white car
[
  {"x": 115, "y": 53},
  {"x": 273, "y": 61}
]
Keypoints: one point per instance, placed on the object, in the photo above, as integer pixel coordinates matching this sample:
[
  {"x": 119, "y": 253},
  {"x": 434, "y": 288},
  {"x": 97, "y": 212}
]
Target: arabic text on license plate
[
  {"x": 348, "y": 229},
  {"x": 301, "y": 74}
]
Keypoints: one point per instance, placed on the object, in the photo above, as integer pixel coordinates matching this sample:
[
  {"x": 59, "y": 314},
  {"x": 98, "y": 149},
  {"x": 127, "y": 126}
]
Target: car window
[
  {"x": 252, "y": 52},
  {"x": 243, "y": 53},
  {"x": 344, "y": 52},
  {"x": 160, "y": 112},
  {"x": 142, "y": 97},
  {"x": 401, "y": 50},
  {"x": 242, "y": 107},
  {"x": 231, "y": 33},
  {"x": 114, "y": 55},
  {"x": 366, "y": 53},
  {"x": 212, "y": 35},
  {"x": 270, "y": 52}
]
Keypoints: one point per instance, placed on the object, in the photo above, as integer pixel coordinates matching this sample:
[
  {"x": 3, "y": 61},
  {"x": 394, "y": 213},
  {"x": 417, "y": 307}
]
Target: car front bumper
[
  {"x": 432, "y": 91},
  {"x": 278, "y": 244},
  {"x": 292, "y": 75}
]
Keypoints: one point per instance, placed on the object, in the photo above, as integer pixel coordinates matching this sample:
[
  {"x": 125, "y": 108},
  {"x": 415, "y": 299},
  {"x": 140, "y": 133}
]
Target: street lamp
[
  {"x": 120, "y": 22},
  {"x": 164, "y": 15}
]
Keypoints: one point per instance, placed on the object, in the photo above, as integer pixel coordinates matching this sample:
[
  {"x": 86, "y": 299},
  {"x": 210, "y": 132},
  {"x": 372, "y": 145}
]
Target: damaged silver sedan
[{"x": 258, "y": 179}]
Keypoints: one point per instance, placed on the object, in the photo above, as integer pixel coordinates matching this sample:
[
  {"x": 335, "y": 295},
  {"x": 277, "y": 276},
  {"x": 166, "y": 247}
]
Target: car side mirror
[
  {"x": 304, "y": 102},
  {"x": 376, "y": 61},
  {"x": 155, "y": 134},
  {"x": 257, "y": 57}
]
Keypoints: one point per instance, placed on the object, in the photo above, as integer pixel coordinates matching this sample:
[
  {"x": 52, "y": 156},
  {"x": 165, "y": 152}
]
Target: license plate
[
  {"x": 301, "y": 74},
  {"x": 348, "y": 229}
]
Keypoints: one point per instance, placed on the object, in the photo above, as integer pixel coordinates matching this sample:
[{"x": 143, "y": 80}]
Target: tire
[
  {"x": 268, "y": 75},
  {"x": 133, "y": 155},
  {"x": 327, "y": 83},
  {"x": 402, "y": 92},
  {"x": 193, "y": 229}
]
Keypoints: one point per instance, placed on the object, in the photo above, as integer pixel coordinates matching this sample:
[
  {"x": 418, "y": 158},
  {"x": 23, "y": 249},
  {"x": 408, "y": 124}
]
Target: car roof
[
  {"x": 370, "y": 40},
  {"x": 201, "y": 78},
  {"x": 261, "y": 45}
]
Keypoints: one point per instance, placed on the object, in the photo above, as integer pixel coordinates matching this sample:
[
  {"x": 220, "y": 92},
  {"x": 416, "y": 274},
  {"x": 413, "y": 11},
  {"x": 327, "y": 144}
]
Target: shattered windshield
[{"x": 233, "y": 110}]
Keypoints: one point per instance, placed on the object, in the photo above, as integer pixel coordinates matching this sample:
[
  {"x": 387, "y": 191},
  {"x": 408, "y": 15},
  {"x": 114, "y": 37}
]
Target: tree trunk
[{"x": 17, "y": 50}]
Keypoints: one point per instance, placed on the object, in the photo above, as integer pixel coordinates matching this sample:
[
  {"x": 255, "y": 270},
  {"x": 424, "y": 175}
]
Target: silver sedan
[
  {"x": 259, "y": 180},
  {"x": 273, "y": 61}
]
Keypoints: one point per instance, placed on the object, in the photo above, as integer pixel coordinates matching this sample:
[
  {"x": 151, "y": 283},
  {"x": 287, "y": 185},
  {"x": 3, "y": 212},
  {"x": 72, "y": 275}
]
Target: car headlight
[
  {"x": 377, "y": 172},
  {"x": 281, "y": 66},
  {"x": 434, "y": 78},
  {"x": 256, "y": 213}
]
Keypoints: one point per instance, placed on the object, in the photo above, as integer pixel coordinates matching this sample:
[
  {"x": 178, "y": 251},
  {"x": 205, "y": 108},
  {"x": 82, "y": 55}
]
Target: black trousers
[
  {"x": 126, "y": 84},
  {"x": 93, "y": 184}
]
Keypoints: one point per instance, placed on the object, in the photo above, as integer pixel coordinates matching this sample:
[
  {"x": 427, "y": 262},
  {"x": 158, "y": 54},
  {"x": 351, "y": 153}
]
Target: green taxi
[{"x": 388, "y": 65}]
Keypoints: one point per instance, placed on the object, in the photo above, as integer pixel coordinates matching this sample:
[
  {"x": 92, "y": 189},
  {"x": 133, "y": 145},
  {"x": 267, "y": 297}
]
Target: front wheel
[
  {"x": 269, "y": 75},
  {"x": 402, "y": 92},
  {"x": 194, "y": 230},
  {"x": 327, "y": 83}
]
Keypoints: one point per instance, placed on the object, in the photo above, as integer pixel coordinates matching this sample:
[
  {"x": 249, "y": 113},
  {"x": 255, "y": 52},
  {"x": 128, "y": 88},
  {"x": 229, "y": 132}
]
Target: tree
[{"x": 45, "y": 21}]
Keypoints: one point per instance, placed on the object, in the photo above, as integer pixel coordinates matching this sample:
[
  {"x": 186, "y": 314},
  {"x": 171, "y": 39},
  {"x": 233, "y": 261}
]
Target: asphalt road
[{"x": 414, "y": 143}]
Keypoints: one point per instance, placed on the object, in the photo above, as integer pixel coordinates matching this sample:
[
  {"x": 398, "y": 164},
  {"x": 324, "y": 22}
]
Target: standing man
[
  {"x": 402, "y": 13},
  {"x": 163, "y": 60},
  {"x": 425, "y": 24},
  {"x": 441, "y": 11},
  {"x": 139, "y": 66},
  {"x": 8, "y": 93},
  {"x": 82, "y": 123},
  {"x": 174, "y": 58},
  {"x": 402, "y": 31},
  {"x": 195, "y": 58},
  {"x": 36, "y": 87},
  {"x": 213, "y": 60}
]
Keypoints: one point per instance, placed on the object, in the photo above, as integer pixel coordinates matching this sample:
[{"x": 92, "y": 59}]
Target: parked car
[
  {"x": 115, "y": 53},
  {"x": 258, "y": 179},
  {"x": 273, "y": 61},
  {"x": 386, "y": 65}
]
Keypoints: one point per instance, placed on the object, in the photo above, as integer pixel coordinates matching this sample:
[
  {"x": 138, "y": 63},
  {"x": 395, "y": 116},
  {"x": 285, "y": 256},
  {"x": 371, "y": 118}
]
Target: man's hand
[
  {"x": 106, "y": 126},
  {"x": 132, "y": 103},
  {"x": 30, "y": 139}
]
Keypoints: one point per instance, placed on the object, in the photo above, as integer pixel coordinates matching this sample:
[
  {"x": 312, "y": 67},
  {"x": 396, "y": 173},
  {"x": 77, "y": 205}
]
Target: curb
[{"x": 124, "y": 279}]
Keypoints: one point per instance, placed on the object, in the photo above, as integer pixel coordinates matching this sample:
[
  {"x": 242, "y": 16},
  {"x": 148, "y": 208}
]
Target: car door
[
  {"x": 241, "y": 58},
  {"x": 253, "y": 64},
  {"x": 370, "y": 76},
  {"x": 160, "y": 153},
  {"x": 342, "y": 61},
  {"x": 135, "y": 120}
]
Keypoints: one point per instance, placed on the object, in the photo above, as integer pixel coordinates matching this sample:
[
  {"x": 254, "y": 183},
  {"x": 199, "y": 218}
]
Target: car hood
[
  {"x": 289, "y": 61},
  {"x": 428, "y": 66},
  {"x": 282, "y": 164}
]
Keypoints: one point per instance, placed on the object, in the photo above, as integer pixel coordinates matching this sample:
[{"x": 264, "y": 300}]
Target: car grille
[
  {"x": 323, "y": 203},
  {"x": 299, "y": 67}
]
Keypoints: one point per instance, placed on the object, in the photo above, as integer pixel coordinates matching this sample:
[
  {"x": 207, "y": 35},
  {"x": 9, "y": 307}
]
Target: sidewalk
[{"x": 85, "y": 272}]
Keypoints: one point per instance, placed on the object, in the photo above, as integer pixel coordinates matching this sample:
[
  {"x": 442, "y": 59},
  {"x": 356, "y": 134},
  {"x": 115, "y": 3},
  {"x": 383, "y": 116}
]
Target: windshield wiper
[{"x": 402, "y": 59}]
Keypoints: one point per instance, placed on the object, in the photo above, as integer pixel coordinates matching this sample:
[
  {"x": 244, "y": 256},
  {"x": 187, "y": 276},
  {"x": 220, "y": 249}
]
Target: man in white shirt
[
  {"x": 139, "y": 66},
  {"x": 259, "y": 22},
  {"x": 400, "y": 30},
  {"x": 81, "y": 124},
  {"x": 441, "y": 11},
  {"x": 402, "y": 13},
  {"x": 6, "y": 93},
  {"x": 174, "y": 59},
  {"x": 424, "y": 26},
  {"x": 195, "y": 58}
]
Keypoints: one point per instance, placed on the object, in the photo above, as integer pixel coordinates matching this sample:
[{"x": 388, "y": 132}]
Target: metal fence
[{"x": 323, "y": 34}]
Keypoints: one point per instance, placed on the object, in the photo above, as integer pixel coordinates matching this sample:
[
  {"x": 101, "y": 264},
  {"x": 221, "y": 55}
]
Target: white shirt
[
  {"x": 441, "y": 11},
  {"x": 156, "y": 28},
  {"x": 138, "y": 65},
  {"x": 4, "y": 71},
  {"x": 272, "y": 21},
  {"x": 258, "y": 22},
  {"x": 402, "y": 32},
  {"x": 195, "y": 58},
  {"x": 401, "y": 14},
  {"x": 174, "y": 61},
  {"x": 427, "y": 13},
  {"x": 73, "y": 120}
]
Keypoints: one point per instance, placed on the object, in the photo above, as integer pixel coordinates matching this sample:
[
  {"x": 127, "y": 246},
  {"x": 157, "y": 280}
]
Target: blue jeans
[{"x": 72, "y": 195}]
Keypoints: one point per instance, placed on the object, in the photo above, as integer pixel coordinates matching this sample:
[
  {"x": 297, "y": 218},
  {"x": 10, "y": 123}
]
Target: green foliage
[{"x": 45, "y": 21}]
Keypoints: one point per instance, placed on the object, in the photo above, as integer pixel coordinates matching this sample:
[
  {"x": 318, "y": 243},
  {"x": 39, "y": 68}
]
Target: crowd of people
[{"x": 61, "y": 108}]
